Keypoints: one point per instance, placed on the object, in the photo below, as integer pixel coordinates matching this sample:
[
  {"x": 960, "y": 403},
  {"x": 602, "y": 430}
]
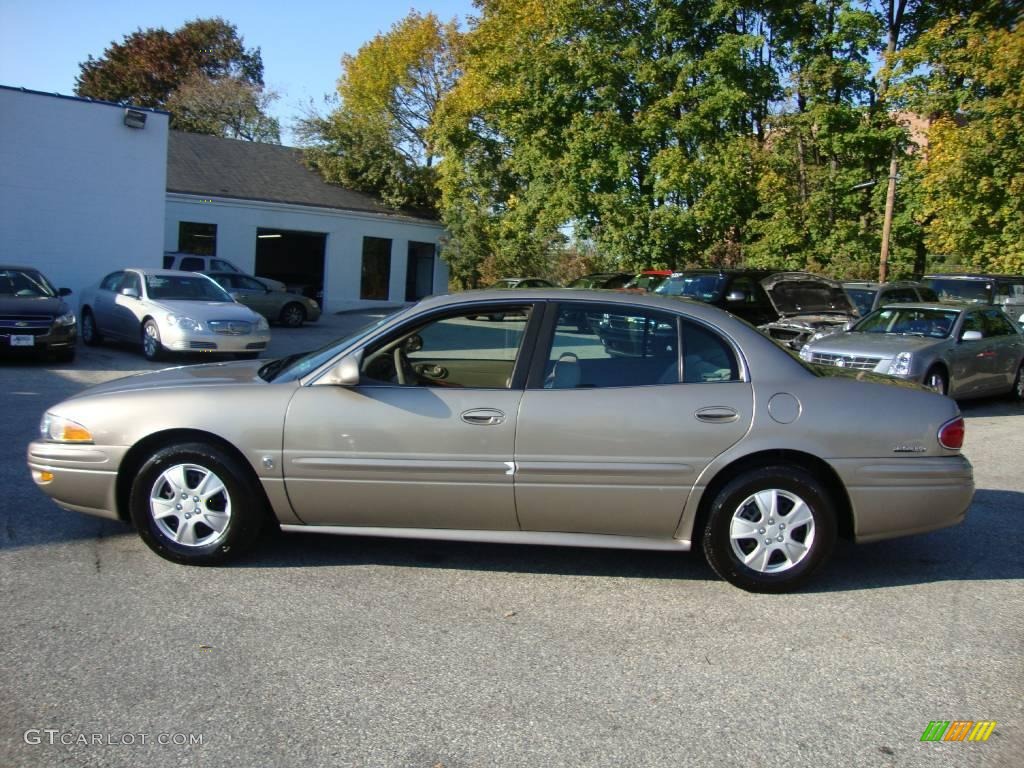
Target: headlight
[
  {"x": 900, "y": 365},
  {"x": 67, "y": 319},
  {"x": 262, "y": 324},
  {"x": 57, "y": 429},
  {"x": 185, "y": 323},
  {"x": 806, "y": 353}
]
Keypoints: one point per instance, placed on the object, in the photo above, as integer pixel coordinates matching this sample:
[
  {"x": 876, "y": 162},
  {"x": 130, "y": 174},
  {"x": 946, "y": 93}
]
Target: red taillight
[{"x": 951, "y": 434}]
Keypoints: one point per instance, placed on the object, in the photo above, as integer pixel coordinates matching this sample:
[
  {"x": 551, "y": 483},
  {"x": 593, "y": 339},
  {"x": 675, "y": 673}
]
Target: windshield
[
  {"x": 24, "y": 282},
  {"x": 863, "y": 298},
  {"x": 951, "y": 289},
  {"x": 933, "y": 323},
  {"x": 296, "y": 366},
  {"x": 701, "y": 287},
  {"x": 184, "y": 288}
]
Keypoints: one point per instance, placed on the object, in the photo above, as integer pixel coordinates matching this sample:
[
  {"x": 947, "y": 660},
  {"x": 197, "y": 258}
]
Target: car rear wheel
[
  {"x": 91, "y": 336},
  {"x": 152, "y": 348},
  {"x": 936, "y": 381},
  {"x": 194, "y": 504},
  {"x": 770, "y": 529},
  {"x": 293, "y": 315}
]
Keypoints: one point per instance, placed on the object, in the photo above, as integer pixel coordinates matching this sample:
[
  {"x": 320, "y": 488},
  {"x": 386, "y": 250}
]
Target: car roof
[
  {"x": 23, "y": 269},
  {"x": 973, "y": 276},
  {"x": 723, "y": 271},
  {"x": 876, "y": 284},
  {"x": 953, "y": 306},
  {"x": 146, "y": 271}
]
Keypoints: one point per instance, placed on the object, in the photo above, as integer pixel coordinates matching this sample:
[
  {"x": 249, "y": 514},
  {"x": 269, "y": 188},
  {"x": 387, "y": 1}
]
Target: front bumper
[
  {"x": 82, "y": 478},
  {"x": 57, "y": 338},
  {"x": 899, "y": 497},
  {"x": 178, "y": 340}
]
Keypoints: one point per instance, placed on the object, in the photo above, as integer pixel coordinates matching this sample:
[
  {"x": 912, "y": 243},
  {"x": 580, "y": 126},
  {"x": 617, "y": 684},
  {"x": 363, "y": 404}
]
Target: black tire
[
  {"x": 240, "y": 507},
  {"x": 293, "y": 314},
  {"x": 91, "y": 335},
  {"x": 775, "y": 566},
  {"x": 152, "y": 349},
  {"x": 1017, "y": 393},
  {"x": 936, "y": 380}
]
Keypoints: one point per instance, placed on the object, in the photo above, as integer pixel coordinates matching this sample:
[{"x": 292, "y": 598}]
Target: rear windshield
[
  {"x": 951, "y": 289},
  {"x": 701, "y": 287}
]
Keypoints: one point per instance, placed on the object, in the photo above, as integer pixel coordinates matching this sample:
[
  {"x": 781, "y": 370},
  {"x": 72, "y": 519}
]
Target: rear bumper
[{"x": 900, "y": 497}]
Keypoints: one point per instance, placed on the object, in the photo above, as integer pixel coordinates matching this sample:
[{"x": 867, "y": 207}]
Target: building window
[
  {"x": 194, "y": 237},
  {"x": 376, "y": 268}
]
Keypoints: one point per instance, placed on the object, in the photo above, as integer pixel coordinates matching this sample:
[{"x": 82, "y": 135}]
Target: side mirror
[
  {"x": 130, "y": 292},
  {"x": 736, "y": 296},
  {"x": 64, "y": 292},
  {"x": 346, "y": 372},
  {"x": 233, "y": 295},
  {"x": 971, "y": 336},
  {"x": 414, "y": 343}
]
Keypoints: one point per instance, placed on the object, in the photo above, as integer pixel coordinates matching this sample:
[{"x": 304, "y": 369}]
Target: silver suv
[{"x": 194, "y": 262}]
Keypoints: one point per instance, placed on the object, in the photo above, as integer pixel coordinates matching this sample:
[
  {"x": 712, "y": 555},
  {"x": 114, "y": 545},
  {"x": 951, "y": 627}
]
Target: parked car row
[{"x": 164, "y": 311}]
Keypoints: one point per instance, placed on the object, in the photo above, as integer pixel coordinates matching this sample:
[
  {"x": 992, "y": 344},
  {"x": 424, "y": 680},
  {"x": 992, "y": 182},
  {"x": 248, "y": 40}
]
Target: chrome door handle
[
  {"x": 717, "y": 415},
  {"x": 483, "y": 417}
]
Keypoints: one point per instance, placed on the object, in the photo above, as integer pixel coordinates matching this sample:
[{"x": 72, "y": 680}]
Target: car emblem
[
  {"x": 840, "y": 362},
  {"x": 21, "y": 324}
]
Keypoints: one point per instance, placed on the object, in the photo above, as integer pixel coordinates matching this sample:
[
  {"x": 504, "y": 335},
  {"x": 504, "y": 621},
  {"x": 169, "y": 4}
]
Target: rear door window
[{"x": 192, "y": 264}]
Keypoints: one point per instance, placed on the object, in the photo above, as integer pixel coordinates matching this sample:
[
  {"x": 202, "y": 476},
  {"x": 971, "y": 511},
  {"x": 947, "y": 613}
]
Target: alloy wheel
[
  {"x": 190, "y": 505},
  {"x": 772, "y": 531}
]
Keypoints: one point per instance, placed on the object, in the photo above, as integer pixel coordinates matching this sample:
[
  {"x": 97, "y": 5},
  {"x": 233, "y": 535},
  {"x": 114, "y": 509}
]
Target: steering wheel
[{"x": 404, "y": 371}]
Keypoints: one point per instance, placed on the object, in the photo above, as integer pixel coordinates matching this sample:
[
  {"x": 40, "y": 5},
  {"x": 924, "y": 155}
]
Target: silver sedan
[
  {"x": 170, "y": 311},
  {"x": 669, "y": 425},
  {"x": 963, "y": 351}
]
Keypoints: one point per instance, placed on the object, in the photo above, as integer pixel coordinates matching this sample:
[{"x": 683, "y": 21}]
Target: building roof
[
  {"x": 211, "y": 166},
  {"x": 83, "y": 99}
]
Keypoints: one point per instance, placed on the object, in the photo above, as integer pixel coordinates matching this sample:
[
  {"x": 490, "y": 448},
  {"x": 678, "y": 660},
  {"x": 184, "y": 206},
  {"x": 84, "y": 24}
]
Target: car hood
[
  {"x": 801, "y": 292},
  {"x": 808, "y": 321},
  {"x": 205, "y": 310},
  {"x": 205, "y": 375},
  {"x": 872, "y": 344},
  {"x": 32, "y": 305}
]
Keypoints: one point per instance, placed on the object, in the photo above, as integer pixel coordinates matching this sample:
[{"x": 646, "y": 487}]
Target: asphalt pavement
[{"x": 342, "y": 651}]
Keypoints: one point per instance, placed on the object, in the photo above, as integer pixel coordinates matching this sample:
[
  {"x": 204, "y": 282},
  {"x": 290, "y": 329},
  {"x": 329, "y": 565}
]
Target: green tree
[
  {"x": 378, "y": 138},
  {"x": 967, "y": 72}
]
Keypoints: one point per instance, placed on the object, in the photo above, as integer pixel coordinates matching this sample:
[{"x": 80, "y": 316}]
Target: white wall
[
  {"x": 238, "y": 220},
  {"x": 81, "y": 194}
]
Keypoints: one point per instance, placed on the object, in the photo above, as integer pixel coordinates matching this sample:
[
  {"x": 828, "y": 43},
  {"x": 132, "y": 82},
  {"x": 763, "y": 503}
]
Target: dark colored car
[
  {"x": 611, "y": 280},
  {"x": 34, "y": 316},
  {"x": 736, "y": 290},
  {"x": 1006, "y": 291},
  {"x": 869, "y": 296},
  {"x": 806, "y": 304}
]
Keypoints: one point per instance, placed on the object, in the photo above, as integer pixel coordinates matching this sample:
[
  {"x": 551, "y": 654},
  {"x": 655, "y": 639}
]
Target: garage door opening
[{"x": 294, "y": 258}]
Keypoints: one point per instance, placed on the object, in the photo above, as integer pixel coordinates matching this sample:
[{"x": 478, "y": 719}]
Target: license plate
[{"x": 23, "y": 340}]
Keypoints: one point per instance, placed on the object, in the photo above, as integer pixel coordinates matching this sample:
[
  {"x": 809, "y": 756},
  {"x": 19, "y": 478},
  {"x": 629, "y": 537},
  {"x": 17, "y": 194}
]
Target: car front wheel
[
  {"x": 90, "y": 333},
  {"x": 151, "y": 346},
  {"x": 194, "y": 504},
  {"x": 936, "y": 381},
  {"x": 770, "y": 529}
]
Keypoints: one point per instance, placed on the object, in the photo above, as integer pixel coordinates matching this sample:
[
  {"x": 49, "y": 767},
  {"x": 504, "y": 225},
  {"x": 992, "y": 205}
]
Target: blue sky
[{"x": 43, "y": 41}]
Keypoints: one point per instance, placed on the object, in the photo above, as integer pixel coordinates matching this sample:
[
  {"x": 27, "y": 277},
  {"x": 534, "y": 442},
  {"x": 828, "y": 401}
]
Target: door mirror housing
[
  {"x": 971, "y": 336},
  {"x": 233, "y": 295},
  {"x": 346, "y": 372},
  {"x": 130, "y": 292},
  {"x": 64, "y": 292}
]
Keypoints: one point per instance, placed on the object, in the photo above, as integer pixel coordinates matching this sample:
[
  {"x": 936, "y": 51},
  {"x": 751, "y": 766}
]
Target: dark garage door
[{"x": 294, "y": 258}]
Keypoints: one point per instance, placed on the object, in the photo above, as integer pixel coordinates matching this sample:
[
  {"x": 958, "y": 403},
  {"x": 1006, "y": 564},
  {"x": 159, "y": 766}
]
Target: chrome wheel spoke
[
  {"x": 794, "y": 551},
  {"x": 767, "y": 503},
  {"x": 758, "y": 558},
  {"x": 742, "y": 528},
  {"x": 175, "y": 478},
  {"x": 186, "y": 533},
  {"x": 163, "y": 508},
  {"x": 217, "y": 521},
  {"x": 209, "y": 487}
]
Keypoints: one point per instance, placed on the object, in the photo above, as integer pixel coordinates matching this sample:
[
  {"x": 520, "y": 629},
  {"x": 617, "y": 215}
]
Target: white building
[
  {"x": 83, "y": 185},
  {"x": 88, "y": 187},
  {"x": 260, "y": 207}
]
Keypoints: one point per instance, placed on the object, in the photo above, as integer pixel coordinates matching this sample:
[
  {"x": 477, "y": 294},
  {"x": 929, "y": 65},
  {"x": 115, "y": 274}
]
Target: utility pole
[{"x": 890, "y": 201}]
